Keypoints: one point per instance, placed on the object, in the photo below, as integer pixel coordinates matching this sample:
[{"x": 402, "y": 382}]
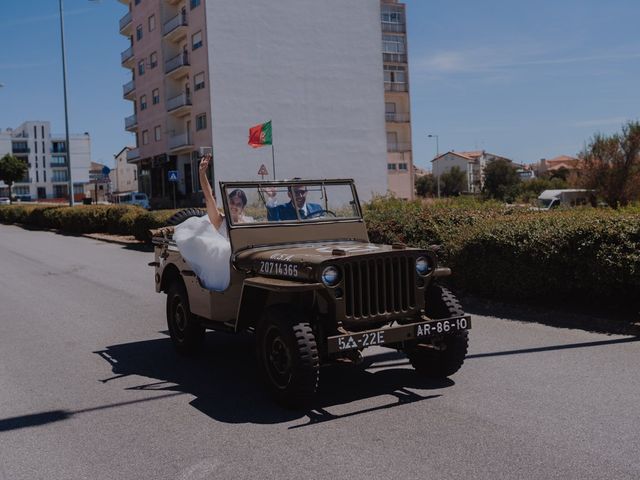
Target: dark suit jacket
[{"x": 288, "y": 211}]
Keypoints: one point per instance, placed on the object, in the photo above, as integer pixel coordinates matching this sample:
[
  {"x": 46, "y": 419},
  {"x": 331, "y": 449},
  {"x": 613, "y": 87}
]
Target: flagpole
[{"x": 273, "y": 159}]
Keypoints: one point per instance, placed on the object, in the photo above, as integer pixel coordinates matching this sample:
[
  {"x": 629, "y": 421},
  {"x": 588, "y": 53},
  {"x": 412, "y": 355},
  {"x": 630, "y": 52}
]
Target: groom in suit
[{"x": 298, "y": 201}]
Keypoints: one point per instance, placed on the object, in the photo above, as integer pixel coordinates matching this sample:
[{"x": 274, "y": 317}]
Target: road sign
[
  {"x": 173, "y": 175},
  {"x": 263, "y": 170},
  {"x": 106, "y": 170}
]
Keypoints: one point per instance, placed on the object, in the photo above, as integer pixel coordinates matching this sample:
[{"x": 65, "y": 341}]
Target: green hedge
[
  {"x": 579, "y": 255},
  {"x": 495, "y": 251},
  {"x": 122, "y": 220}
]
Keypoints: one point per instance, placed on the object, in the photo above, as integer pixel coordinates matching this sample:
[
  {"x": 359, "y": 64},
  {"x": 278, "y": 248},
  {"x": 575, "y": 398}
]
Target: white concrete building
[
  {"x": 47, "y": 158},
  {"x": 124, "y": 176},
  {"x": 205, "y": 71}
]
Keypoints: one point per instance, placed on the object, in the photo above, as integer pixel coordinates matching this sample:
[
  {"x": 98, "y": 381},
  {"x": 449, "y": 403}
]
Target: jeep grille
[{"x": 380, "y": 286}]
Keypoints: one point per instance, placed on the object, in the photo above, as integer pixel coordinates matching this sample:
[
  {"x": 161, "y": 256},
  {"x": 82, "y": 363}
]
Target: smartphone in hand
[{"x": 206, "y": 151}]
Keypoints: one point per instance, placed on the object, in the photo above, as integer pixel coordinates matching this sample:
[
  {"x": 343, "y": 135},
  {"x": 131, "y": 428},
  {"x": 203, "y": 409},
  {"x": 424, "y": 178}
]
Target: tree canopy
[
  {"x": 453, "y": 182},
  {"x": 12, "y": 169},
  {"x": 501, "y": 180},
  {"x": 611, "y": 165}
]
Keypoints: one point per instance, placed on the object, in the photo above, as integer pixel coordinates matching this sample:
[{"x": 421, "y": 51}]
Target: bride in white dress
[{"x": 204, "y": 241}]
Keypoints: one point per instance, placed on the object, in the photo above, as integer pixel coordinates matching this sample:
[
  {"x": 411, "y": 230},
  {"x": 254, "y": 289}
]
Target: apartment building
[
  {"x": 204, "y": 71},
  {"x": 47, "y": 157},
  {"x": 396, "y": 97}
]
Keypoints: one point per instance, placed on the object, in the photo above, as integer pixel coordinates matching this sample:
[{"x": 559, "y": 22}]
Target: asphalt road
[{"x": 91, "y": 388}]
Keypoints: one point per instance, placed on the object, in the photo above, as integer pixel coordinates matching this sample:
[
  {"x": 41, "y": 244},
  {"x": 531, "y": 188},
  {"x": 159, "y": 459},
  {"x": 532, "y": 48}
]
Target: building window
[
  {"x": 393, "y": 44},
  {"x": 402, "y": 166},
  {"x": 141, "y": 67},
  {"x": 59, "y": 176},
  {"x": 44, "y": 175},
  {"x": 196, "y": 40},
  {"x": 155, "y": 93},
  {"x": 42, "y": 131},
  {"x": 395, "y": 74},
  {"x": 157, "y": 132},
  {"x": 392, "y": 15},
  {"x": 198, "y": 81},
  {"x": 391, "y": 167},
  {"x": 35, "y": 132},
  {"x": 35, "y": 146},
  {"x": 145, "y": 137},
  {"x": 139, "y": 33},
  {"x": 143, "y": 102},
  {"x": 153, "y": 60},
  {"x": 57, "y": 161},
  {"x": 194, "y": 3},
  {"x": 390, "y": 107},
  {"x": 201, "y": 121},
  {"x": 152, "y": 23}
]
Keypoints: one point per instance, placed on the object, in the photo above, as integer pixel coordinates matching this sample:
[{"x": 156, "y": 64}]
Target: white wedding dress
[{"x": 206, "y": 250}]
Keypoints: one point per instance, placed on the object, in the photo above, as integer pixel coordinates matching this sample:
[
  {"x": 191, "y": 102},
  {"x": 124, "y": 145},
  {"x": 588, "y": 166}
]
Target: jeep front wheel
[
  {"x": 445, "y": 356},
  {"x": 186, "y": 333},
  {"x": 288, "y": 356}
]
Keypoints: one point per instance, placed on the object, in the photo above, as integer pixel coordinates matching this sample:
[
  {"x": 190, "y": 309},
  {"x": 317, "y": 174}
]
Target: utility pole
[{"x": 437, "y": 155}]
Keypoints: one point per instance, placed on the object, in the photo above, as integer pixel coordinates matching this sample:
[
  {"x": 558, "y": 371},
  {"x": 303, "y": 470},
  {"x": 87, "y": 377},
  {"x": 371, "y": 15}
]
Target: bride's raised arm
[{"x": 212, "y": 207}]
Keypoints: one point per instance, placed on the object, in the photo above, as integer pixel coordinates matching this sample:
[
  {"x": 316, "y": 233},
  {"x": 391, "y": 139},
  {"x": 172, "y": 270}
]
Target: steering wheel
[{"x": 321, "y": 213}]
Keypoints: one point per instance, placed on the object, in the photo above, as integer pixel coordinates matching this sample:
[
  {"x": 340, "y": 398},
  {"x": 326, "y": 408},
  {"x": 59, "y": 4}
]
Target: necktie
[{"x": 301, "y": 212}]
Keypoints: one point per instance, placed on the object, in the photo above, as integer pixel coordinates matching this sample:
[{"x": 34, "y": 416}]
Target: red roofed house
[{"x": 558, "y": 163}]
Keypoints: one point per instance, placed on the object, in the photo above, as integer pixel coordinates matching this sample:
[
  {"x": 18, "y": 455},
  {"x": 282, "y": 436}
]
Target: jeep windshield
[{"x": 296, "y": 201}]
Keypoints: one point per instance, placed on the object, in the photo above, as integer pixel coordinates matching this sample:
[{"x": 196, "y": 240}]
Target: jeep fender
[{"x": 255, "y": 296}]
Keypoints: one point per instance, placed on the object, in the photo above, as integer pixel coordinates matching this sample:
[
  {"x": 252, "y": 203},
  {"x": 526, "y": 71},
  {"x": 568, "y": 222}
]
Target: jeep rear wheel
[
  {"x": 446, "y": 356},
  {"x": 288, "y": 356},
  {"x": 185, "y": 332}
]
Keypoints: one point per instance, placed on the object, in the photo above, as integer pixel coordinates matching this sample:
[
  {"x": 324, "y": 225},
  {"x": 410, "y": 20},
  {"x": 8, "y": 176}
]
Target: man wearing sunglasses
[{"x": 296, "y": 208}]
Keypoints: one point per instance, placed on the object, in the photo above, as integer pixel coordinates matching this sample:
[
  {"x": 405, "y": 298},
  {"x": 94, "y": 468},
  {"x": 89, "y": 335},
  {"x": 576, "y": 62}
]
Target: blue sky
[{"x": 526, "y": 80}]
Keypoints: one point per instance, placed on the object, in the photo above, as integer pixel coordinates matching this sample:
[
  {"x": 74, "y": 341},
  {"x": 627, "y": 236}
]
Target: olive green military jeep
[{"x": 307, "y": 281}]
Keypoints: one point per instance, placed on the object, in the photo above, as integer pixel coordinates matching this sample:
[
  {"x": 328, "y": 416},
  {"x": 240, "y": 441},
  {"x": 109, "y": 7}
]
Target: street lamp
[
  {"x": 437, "y": 155},
  {"x": 66, "y": 111}
]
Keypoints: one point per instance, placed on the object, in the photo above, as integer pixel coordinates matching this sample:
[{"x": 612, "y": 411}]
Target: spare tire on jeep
[{"x": 182, "y": 215}]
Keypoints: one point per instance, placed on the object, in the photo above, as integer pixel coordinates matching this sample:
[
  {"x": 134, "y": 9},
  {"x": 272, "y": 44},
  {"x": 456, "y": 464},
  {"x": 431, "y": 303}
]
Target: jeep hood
[{"x": 316, "y": 253}]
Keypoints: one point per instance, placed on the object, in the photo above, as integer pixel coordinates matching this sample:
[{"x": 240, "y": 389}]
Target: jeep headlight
[
  {"x": 331, "y": 276},
  {"x": 422, "y": 266}
]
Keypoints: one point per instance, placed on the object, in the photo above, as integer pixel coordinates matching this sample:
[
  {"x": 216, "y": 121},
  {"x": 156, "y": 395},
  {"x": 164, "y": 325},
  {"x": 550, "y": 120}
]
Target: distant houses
[{"x": 471, "y": 163}]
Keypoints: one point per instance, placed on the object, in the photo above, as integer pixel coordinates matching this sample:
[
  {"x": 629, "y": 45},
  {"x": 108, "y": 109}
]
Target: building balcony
[
  {"x": 131, "y": 123},
  {"x": 394, "y": 57},
  {"x": 396, "y": 87},
  {"x": 398, "y": 147},
  {"x": 125, "y": 24},
  {"x": 394, "y": 27},
  {"x": 23, "y": 180},
  {"x": 180, "y": 143},
  {"x": 178, "y": 66},
  {"x": 397, "y": 117},
  {"x": 180, "y": 105},
  {"x": 133, "y": 154},
  {"x": 175, "y": 29},
  {"x": 126, "y": 58},
  {"x": 128, "y": 90},
  {"x": 20, "y": 149}
]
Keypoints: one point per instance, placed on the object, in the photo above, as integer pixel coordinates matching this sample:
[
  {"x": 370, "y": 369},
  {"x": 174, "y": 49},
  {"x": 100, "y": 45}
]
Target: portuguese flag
[{"x": 260, "y": 135}]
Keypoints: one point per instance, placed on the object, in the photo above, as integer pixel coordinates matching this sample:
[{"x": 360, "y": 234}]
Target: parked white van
[
  {"x": 569, "y": 198},
  {"x": 132, "y": 198}
]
